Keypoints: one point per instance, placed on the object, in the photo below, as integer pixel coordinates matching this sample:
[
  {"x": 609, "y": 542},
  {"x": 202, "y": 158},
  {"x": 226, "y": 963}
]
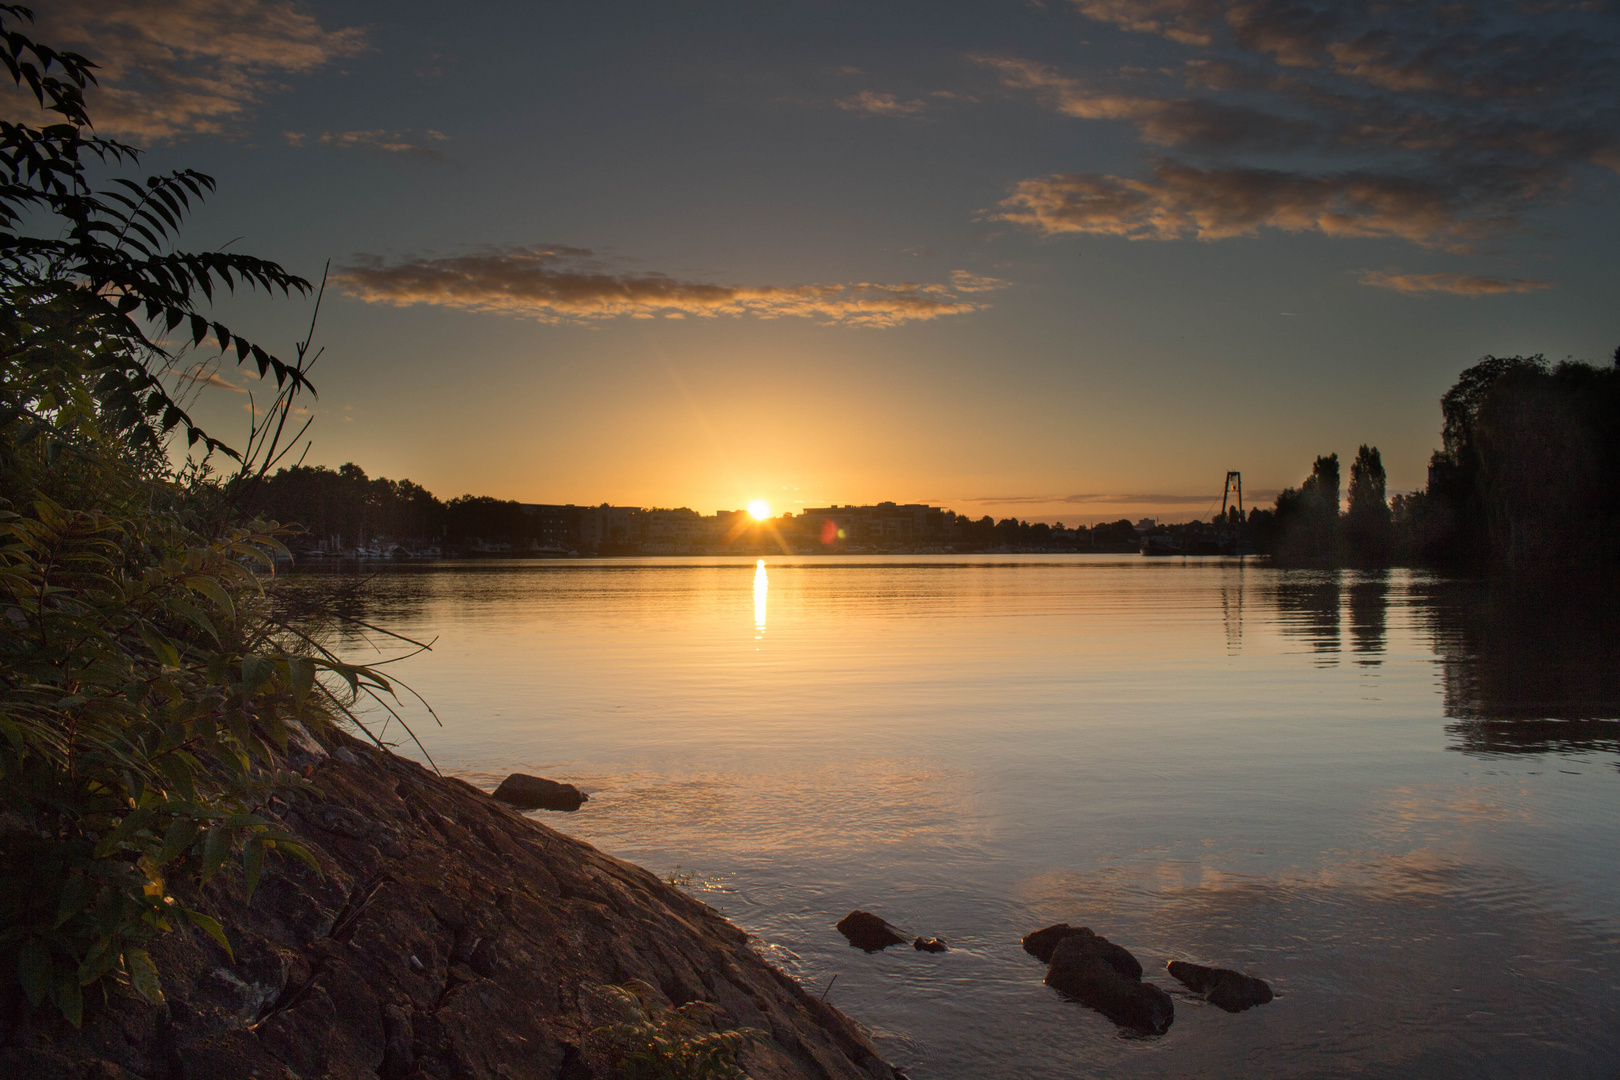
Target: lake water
[{"x": 1393, "y": 796}]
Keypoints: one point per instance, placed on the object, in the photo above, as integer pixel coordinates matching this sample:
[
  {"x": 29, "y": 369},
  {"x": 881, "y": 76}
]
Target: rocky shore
[{"x": 446, "y": 936}]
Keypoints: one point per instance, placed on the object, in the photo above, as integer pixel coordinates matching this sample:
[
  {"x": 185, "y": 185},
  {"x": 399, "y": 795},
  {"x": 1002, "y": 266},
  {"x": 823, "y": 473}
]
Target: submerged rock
[
  {"x": 537, "y": 793},
  {"x": 1223, "y": 987},
  {"x": 1088, "y": 969},
  {"x": 866, "y": 931},
  {"x": 932, "y": 944},
  {"x": 1043, "y": 943}
]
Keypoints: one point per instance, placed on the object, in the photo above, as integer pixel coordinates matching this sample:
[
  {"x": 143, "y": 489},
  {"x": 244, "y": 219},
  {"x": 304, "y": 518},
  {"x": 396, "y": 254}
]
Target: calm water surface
[{"x": 1393, "y": 796}]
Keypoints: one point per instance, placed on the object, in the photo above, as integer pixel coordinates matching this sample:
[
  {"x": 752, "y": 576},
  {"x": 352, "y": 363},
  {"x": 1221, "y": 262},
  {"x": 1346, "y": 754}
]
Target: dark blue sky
[{"x": 1065, "y": 260}]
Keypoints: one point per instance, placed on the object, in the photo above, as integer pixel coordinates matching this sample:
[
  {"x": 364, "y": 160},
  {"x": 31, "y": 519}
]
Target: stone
[
  {"x": 1084, "y": 970},
  {"x": 1042, "y": 943},
  {"x": 398, "y": 1036},
  {"x": 537, "y": 793},
  {"x": 932, "y": 944},
  {"x": 866, "y": 931},
  {"x": 1222, "y": 987}
]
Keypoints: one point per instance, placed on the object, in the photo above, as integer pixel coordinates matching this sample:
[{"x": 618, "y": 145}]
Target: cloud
[
  {"x": 968, "y": 282},
  {"x": 1185, "y": 202},
  {"x": 388, "y": 142},
  {"x": 881, "y": 104},
  {"x": 1426, "y": 121},
  {"x": 203, "y": 375},
  {"x": 1161, "y": 121},
  {"x": 1456, "y": 284},
  {"x": 560, "y": 284},
  {"x": 173, "y": 68}
]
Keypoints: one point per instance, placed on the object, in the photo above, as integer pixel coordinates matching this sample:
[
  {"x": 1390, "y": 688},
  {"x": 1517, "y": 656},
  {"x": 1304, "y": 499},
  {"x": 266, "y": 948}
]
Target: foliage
[
  {"x": 146, "y": 692},
  {"x": 1367, "y": 521},
  {"x": 1527, "y": 471},
  {"x": 670, "y": 1044}
]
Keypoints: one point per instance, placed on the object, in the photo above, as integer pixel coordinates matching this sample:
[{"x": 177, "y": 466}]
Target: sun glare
[{"x": 759, "y": 509}]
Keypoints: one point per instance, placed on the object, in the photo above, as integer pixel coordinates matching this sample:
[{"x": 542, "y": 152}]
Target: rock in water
[
  {"x": 1087, "y": 968},
  {"x": 932, "y": 944},
  {"x": 1042, "y": 943},
  {"x": 1228, "y": 989},
  {"x": 537, "y": 793},
  {"x": 866, "y": 931}
]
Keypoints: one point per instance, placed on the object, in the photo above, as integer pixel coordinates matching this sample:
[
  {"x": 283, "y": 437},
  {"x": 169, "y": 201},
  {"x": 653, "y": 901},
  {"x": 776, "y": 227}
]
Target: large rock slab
[
  {"x": 1088, "y": 973},
  {"x": 537, "y": 793},
  {"x": 1228, "y": 989},
  {"x": 446, "y": 935}
]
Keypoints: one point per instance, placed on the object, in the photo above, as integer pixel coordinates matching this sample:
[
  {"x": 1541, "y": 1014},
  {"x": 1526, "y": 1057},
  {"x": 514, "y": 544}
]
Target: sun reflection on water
[{"x": 762, "y": 586}]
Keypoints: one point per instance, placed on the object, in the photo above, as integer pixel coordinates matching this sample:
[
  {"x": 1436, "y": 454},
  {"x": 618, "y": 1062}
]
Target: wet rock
[
  {"x": 537, "y": 793},
  {"x": 866, "y": 931},
  {"x": 1043, "y": 943},
  {"x": 1223, "y": 987},
  {"x": 1083, "y": 969},
  {"x": 932, "y": 944}
]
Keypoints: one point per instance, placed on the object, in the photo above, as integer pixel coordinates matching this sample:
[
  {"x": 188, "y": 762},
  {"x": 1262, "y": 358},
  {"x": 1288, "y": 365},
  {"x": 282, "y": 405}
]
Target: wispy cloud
[
  {"x": 378, "y": 139},
  {"x": 561, "y": 284},
  {"x": 881, "y": 104},
  {"x": 205, "y": 375},
  {"x": 1456, "y": 284},
  {"x": 173, "y": 68},
  {"x": 969, "y": 282},
  {"x": 1426, "y": 121}
]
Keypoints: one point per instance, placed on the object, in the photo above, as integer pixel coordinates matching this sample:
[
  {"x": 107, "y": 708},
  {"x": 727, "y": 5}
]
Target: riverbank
[{"x": 446, "y": 936}]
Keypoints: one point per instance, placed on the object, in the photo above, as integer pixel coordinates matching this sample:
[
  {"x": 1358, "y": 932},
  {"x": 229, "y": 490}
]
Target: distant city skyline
[{"x": 1069, "y": 260}]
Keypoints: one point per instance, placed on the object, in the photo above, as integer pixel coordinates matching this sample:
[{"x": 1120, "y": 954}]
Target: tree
[{"x": 1367, "y": 523}]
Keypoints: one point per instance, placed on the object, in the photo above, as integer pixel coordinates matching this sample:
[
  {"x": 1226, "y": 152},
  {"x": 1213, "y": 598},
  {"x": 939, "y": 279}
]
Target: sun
[{"x": 759, "y": 509}]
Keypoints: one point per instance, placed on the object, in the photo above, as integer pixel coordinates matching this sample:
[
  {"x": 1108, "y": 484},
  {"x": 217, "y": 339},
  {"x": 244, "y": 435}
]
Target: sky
[{"x": 1070, "y": 260}]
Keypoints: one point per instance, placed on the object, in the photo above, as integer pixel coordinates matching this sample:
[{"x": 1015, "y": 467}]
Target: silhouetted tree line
[
  {"x": 345, "y": 508},
  {"x": 1526, "y": 475}
]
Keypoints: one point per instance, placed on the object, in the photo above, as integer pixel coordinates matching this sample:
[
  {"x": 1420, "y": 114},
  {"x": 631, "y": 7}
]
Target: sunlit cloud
[
  {"x": 881, "y": 104},
  {"x": 1163, "y": 121},
  {"x": 173, "y": 68},
  {"x": 560, "y": 284},
  {"x": 1183, "y": 201},
  {"x": 1456, "y": 284},
  {"x": 1428, "y": 121},
  {"x": 968, "y": 282}
]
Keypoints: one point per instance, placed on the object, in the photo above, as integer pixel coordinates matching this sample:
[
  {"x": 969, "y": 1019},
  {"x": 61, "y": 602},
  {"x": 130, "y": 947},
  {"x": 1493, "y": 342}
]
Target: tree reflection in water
[{"x": 1528, "y": 666}]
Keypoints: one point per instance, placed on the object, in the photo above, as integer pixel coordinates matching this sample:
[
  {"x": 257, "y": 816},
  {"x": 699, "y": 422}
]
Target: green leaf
[
  {"x": 132, "y": 823},
  {"x": 68, "y": 997},
  {"x": 178, "y": 838},
  {"x": 143, "y": 975},
  {"x": 211, "y": 927},
  {"x": 255, "y": 670},
  {"x": 35, "y": 970},
  {"x": 76, "y": 893},
  {"x": 216, "y": 847},
  {"x": 301, "y": 670},
  {"x": 211, "y": 588}
]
